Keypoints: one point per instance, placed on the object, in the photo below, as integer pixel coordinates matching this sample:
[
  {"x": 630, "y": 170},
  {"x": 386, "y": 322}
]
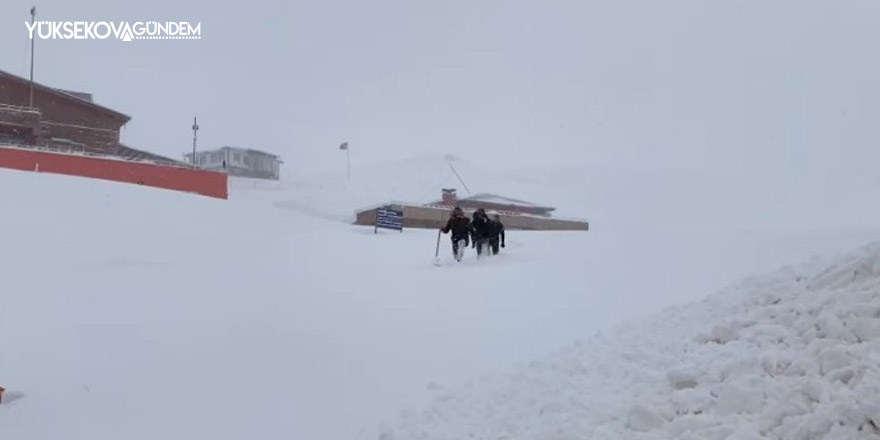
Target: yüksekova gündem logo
[{"x": 103, "y": 30}]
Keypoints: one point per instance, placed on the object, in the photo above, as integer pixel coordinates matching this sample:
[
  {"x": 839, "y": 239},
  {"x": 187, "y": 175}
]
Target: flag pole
[
  {"x": 33, "y": 38},
  {"x": 344, "y": 146}
]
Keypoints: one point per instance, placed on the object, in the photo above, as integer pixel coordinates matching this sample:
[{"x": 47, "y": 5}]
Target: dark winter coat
[
  {"x": 481, "y": 227},
  {"x": 460, "y": 227},
  {"x": 496, "y": 230}
]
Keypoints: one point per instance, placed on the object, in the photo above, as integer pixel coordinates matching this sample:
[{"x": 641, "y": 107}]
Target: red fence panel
[{"x": 206, "y": 183}]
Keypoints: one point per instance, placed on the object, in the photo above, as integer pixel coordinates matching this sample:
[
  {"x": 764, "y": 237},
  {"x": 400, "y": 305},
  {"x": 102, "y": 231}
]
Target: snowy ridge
[
  {"x": 793, "y": 355},
  {"x": 414, "y": 180},
  {"x": 419, "y": 179}
]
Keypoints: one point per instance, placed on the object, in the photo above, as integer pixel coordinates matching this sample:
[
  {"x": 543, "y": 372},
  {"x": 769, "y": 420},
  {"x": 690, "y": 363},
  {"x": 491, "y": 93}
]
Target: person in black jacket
[
  {"x": 496, "y": 234},
  {"x": 461, "y": 228},
  {"x": 481, "y": 230}
]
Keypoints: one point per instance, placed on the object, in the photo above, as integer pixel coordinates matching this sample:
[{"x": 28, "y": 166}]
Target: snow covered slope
[
  {"x": 792, "y": 355},
  {"x": 131, "y": 312},
  {"x": 417, "y": 179},
  {"x": 137, "y": 313}
]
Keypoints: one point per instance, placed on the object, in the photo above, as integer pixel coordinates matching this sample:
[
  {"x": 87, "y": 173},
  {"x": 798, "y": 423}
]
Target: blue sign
[{"x": 389, "y": 219}]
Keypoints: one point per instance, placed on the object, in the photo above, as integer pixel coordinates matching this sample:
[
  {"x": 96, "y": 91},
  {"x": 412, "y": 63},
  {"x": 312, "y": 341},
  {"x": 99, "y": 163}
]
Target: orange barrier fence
[{"x": 206, "y": 183}]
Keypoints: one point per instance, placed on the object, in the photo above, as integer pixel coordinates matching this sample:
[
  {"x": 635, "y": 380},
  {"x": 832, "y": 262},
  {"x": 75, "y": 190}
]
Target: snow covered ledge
[{"x": 792, "y": 355}]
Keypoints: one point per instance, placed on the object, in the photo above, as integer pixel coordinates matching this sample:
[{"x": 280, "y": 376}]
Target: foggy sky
[{"x": 761, "y": 88}]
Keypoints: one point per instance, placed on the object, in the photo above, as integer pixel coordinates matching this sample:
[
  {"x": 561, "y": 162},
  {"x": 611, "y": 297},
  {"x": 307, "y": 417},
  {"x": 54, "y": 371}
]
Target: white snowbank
[
  {"x": 793, "y": 355},
  {"x": 132, "y": 312},
  {"x": 137, "y": 313}
]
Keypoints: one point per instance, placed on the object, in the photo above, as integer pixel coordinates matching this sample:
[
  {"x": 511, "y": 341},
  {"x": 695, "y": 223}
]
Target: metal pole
[
  {"x": 348, "y": 164},
  {"x": 195, "y": 128},
  {"x": 459, "y": 178},
  {"x": 33, "y": 38}
]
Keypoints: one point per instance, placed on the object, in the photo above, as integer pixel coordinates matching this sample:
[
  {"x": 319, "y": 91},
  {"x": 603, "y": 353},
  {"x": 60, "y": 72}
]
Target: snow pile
[{"x": 792, "y": 355}]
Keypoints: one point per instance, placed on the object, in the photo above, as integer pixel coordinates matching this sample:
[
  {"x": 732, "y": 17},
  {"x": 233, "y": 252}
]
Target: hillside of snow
[
  {"x": 138, "y": 313},
  {"x": 132, "y": 312},
  {"x": 416, "y": 180},
  {"x": 791, "y": 355}
]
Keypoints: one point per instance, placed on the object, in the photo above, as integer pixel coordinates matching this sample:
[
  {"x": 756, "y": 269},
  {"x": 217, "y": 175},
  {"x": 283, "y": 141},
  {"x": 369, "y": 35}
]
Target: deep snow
[
  {"x": 131, "y": 312},
  {"x": 792, "y": 355},
  {"x": 141, "y": 313}
]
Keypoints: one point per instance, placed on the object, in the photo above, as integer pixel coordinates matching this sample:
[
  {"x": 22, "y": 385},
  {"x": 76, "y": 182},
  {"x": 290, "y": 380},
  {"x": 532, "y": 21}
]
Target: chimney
[{"x": 449, "y": 197}]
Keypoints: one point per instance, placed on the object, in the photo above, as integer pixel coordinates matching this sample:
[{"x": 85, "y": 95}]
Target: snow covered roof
[
  {"x": 251, "y": 151},
  {"x": 237, "y": 149},
  {"x": 135, "y": 154},
  {"x": 494, "y": 198},
  {"x": 81, "y": 95}
]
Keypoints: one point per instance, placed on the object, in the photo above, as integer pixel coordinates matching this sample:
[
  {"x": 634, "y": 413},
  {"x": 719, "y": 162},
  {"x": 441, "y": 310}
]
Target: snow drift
[
  {"x": 793, "y": 355},
  {"x": 137, "y": 313}
]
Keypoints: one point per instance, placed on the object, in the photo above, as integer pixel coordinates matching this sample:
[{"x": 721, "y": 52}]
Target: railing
[
  {"x": 18, "y": 108},
  {"x": 80, "y": 127},
  {"x": 51, "y": 149}
]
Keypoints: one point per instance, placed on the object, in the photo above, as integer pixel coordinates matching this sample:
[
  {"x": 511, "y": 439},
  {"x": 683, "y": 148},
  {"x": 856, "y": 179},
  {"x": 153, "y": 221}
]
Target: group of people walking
[{"x": 483, "y": 233}]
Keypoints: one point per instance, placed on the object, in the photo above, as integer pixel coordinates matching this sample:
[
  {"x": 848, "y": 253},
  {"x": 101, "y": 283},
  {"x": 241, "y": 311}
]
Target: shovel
[{"x": 437, "y": 250}]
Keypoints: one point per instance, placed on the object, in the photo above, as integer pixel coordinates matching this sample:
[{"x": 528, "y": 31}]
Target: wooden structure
[{"x": 63, "y": 121}]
